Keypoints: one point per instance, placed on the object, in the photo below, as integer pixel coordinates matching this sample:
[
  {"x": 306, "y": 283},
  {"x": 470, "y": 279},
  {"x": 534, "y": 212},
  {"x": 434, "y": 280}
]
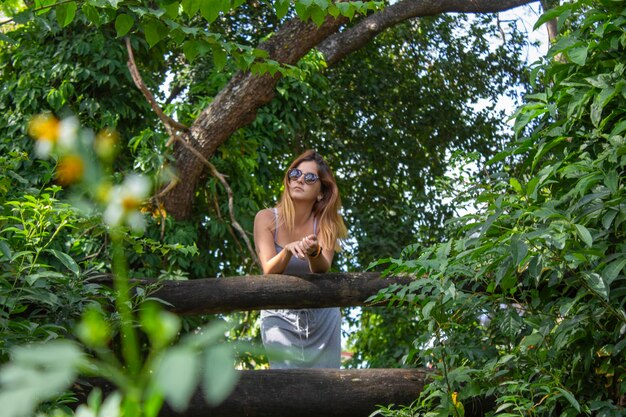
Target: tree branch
[
  {"x": 172, "y": 127},
  {"x": 222, "y": 179},
  {"x": 341, "y": 44},
  {"x": 237, "y": 103}
]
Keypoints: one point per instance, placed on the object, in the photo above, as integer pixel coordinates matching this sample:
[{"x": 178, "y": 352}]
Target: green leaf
[
  {"x": 220, "y": 376},
  {"x": 282, "y": 7},
  {"x": 578, "y": 55},
  {"x": 66, "y": 13},
  {"x": 584, "y": 234},
  {"x": 160, "y": 326},
  {"x": 123, "y": 23},
  {"x": 533, "y": 339},
  {"x": 515, "y": 185},
  {"x": 154, "y": 32},
  {"x": 219, "y": 57},
  {"x": 612, "y": 270},
  {"x": 191, "y": 7},
  {"x": 195, "y": 48},
  {"x": 23, "y": 17},
  {"x": 177, "y": 376},
  {"x": 596, "y": 283},
  {"x": 6, "y": 250},
  {"x": 92, "y": 14},
  {"x": 209, "y": 9},
  {"x": 570, "y": 398},
  {"x": 66, "y": 260},
  {"x": 5, "y": 38},
  {"x": 317, "y": 15},
  {"x": 427, "y": 309},
  {"x": 549, "y": 15},
  {"x": 519, "y": 250},
  {"x": 619, "y": 128},
  {"x": 37, "y": 373},
  {"x": 93, "y": 329}
]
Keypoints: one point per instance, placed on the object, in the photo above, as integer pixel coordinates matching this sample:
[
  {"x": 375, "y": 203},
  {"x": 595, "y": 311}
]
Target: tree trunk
[
  {"x": 255, "y": 292},
  {"x": 236, "y": 105}
]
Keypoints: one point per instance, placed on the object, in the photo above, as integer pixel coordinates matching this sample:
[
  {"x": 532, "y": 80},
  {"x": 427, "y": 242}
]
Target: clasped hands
[{"x": 305, "y": 247}]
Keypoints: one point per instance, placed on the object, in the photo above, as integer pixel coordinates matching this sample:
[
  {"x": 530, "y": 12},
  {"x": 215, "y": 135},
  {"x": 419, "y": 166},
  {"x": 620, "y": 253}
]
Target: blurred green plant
[{"x": 32, "y": 289}]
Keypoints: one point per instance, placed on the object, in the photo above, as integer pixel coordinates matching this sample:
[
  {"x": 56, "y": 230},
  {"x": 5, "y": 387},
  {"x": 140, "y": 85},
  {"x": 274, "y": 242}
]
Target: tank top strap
[
  {"x": 275, "y": 210},
  {"x": 315, "y": 226}
]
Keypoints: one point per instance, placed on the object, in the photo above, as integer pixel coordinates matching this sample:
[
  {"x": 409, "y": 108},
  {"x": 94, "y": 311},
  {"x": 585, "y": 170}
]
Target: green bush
[{"x": 525, "y": 303}]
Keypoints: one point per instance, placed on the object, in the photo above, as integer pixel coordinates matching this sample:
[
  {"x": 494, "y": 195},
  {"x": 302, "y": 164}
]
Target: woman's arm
[{"x": 271, "y": 262}]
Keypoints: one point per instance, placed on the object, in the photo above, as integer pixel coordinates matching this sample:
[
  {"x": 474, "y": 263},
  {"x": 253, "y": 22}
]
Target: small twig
[
  {"x": 229, "y": 191},
  {"x": 171, "y": 126},
  {"x": 499, "y": 24},
  {"x": 167, "y": 189}
]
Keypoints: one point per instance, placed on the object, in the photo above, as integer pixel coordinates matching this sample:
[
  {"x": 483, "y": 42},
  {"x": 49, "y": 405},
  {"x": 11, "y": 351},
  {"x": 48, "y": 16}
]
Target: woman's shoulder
[{"x": 265, "y": 216}]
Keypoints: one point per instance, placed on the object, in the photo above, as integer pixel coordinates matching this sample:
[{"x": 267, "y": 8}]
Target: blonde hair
[{"x": 330, "y": 226}]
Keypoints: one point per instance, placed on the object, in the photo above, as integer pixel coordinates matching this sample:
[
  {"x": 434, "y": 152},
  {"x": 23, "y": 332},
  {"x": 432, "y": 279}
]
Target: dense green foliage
[
  {"x": 522, "y": 302},
  {"x": 525, "y": 301}
]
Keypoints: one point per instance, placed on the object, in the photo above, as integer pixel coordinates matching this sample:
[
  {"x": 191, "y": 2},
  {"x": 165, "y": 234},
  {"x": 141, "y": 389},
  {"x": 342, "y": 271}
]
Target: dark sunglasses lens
[
  {"x": 310, "y": 178},
  {"x": 294, "y": 174}
]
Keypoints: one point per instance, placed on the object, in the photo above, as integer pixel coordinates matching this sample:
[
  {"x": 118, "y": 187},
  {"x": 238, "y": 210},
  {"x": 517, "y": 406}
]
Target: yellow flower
[
  {"x": 51, "y": 132},
  {"x": 460, "y": 409},
  {"x": 70, "y": 169},
  {"x": 44, "y": 127}
]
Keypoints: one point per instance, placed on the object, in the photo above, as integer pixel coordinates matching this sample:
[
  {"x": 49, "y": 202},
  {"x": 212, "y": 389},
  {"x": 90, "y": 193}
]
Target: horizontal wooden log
[
  {"x": 312, "y": 393},
  {"x": 256, "y": 292},
  {"x": 307, "y": 392}
]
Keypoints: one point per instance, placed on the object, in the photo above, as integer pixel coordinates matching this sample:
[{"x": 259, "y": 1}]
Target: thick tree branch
[
  {"x": 231, "y": 210},
  {"x": 236, "y": 105},
  {"x": 339, "y": 45}
]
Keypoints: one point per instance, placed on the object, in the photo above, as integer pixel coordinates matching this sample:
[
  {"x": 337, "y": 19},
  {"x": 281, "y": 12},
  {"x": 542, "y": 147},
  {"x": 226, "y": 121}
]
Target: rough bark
[
  {"x": 307, "y": 392},
  {"x": 255, "y": 292},
  {"x": 312, "y": 393},
  {"x": 236, "y": 105}
]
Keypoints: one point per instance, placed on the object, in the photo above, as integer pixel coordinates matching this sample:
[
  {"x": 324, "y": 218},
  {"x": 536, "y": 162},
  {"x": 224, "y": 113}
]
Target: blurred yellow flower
[
  {"x": 70, "y": 169},
  {"x": 51, "y": 132},
  {"x": 44, "y": 127}
]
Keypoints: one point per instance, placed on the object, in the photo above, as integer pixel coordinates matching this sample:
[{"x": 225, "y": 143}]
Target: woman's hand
[
  {"x": 303, "y": 248},
  {"x": 310, "y": 245}
]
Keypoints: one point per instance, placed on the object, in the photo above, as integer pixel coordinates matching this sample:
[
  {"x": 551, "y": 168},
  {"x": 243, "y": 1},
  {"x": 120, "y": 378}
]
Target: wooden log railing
[
  {"x": 256, "y": 292},
  {"x": 295, "y": 392}
]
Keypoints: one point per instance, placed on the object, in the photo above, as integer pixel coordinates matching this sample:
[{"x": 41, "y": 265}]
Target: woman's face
[{"x": 299, "y": 190}]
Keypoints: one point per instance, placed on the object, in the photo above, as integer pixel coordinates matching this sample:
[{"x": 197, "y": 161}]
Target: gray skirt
[{"x": 308, "y": 338}]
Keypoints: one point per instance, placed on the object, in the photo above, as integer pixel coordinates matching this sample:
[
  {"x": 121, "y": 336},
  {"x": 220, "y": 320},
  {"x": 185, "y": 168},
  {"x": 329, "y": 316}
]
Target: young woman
[{"x": 301, "y": 235}]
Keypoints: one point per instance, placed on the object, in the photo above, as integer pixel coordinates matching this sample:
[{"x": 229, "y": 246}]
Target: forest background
[{"x": 521, "y": 300}]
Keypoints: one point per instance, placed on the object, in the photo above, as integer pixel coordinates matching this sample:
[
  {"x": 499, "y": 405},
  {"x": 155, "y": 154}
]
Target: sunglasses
[{"x": 309, "y": 177}]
